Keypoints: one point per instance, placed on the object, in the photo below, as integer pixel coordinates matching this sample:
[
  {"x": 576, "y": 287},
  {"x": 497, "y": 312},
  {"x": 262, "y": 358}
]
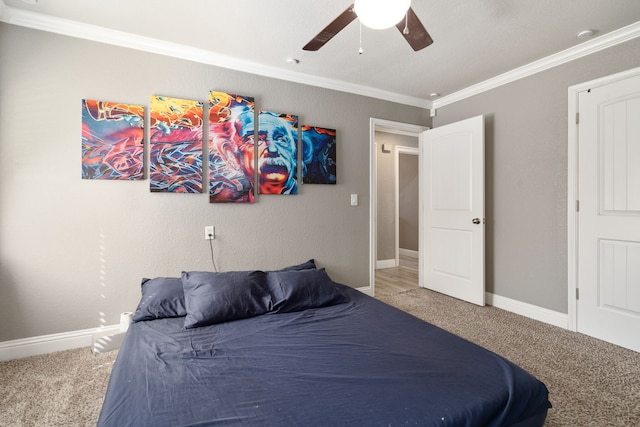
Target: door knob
[{"x": 476, "y": 220}]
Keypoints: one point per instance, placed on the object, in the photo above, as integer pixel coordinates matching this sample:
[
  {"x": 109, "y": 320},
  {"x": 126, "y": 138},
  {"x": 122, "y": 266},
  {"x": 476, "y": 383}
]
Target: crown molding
[
  {"x": 587, "y": 48},
  {"x": 76, "y": 29},
  {"x": 397, "y": 128},
  {"x": 80, "y": 30}
]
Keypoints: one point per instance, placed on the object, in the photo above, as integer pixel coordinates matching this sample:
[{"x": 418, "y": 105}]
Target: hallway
[{"x": 399, "y": 279}]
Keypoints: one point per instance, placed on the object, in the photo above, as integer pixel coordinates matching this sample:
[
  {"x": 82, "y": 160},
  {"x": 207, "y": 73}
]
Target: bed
[{"x": 293, "y": 348}]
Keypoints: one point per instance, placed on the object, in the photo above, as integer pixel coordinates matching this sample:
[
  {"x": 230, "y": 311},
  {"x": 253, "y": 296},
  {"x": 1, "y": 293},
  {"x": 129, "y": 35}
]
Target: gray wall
[
  {"x": 73, "y": 251},
  {"x": 408, "y": 208},
  {"x": 385, "y": 191},
  {"x": 526, "y": 174}
]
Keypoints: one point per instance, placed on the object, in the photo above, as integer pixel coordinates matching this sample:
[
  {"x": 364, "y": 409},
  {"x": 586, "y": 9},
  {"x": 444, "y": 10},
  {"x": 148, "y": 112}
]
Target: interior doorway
[
  {"x": 386, "y": 130},
  {"x": 451, "y": 205},
  {"x": 397, "y": 183}
]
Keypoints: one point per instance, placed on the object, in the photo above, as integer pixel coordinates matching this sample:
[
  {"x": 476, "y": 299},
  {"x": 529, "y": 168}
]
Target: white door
[
  {"x": 608, "y": 305},
  {"x": 452, "y": 261}
]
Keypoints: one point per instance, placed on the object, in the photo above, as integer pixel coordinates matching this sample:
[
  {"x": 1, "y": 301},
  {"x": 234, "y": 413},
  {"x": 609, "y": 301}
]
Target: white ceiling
[{"x": 474, "y": 40}]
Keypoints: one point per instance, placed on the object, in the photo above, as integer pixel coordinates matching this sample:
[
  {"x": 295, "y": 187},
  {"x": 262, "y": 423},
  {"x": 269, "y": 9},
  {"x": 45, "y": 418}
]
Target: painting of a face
[
  {"x": 278, "y": 153},
  {"x": 231, "y": 148},
  {"x": 175, "y": 141}
]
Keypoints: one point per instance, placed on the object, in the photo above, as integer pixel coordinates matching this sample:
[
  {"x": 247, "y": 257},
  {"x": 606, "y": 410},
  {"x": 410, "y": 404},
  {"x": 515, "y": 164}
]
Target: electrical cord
[{"x": 213, "y": 261}]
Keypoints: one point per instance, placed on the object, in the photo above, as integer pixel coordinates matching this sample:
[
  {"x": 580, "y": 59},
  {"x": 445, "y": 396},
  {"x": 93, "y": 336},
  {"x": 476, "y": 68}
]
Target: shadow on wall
[
  {"x": 10, "y": 305},
  {"x": 489, "y": 200}
]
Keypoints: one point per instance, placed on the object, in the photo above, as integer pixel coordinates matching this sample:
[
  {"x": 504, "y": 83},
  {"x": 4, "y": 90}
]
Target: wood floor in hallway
[{"x": 398, "y": 279}]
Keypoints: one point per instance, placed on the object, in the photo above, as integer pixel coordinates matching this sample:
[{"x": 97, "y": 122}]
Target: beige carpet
[
  {"x": 58, "y": 389},
  {"x": 591, "y": 383}
]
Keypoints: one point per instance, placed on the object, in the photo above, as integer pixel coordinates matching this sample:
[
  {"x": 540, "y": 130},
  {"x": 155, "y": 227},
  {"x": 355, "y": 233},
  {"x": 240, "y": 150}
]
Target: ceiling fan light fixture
[{"x": 381, "y": 14}]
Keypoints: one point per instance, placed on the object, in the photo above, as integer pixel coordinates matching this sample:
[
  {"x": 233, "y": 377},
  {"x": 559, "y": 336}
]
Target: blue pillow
[
  {"x": 212, "y": 298},
  {"x": 304, "y": 266},
  {"x": 161, "y": 297},
  {"x": 297, "y": 290}
]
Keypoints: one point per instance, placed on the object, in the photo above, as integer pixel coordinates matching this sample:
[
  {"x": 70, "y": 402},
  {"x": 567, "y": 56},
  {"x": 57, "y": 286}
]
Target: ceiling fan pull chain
[
  {"x": 360, "y": 51},
  {"x": 406, "y": 23}
]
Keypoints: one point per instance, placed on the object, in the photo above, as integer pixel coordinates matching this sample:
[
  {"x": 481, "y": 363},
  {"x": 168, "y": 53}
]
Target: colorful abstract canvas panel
[
  {"x": 231, "y": 148},
  {"x": 175, "y": 135},
  {"x": 112, "y": 140},
  {"x": 318, "y": 155},
  {"x": 277, "y": 153}
]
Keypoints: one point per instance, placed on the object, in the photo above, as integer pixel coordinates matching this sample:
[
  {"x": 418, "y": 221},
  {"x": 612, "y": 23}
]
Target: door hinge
[
  {"x": 577, "y": 118},
  {"x": 577, "y": 293},
  {"x": 577, "y": 205}
]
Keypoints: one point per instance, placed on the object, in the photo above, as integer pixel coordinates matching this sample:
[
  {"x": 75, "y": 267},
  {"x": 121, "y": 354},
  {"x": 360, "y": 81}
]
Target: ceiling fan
[{"x": 407, "y": 22}]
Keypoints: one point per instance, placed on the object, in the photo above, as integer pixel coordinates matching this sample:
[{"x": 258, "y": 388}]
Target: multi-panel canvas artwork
[
  {"x": 175, "y": 137},
  {"x": 318, "y": 155},
  {"x": 277, "y": 153},
  {"x": 239, "y": 166},
  {"x": 112, "y": 140},
  {"x": 231, "y": 148}
]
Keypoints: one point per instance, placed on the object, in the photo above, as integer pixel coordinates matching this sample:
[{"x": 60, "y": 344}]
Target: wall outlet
[{"x": 209, "y": 232}]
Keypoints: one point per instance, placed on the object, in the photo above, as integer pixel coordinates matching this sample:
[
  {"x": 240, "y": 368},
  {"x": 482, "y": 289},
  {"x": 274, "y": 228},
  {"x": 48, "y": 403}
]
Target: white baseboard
[
  {"x": 528, "y": 310},
  {"x": 409, "y": 252},
  {"x": 366, "y": 290},
  {"x": 17, "y": 349},
  {"x": 44, "y": 344},
  {"x": 386, "y": 263}
]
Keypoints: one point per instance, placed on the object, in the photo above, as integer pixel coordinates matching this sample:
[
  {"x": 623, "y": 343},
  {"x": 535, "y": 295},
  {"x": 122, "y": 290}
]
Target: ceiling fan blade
[
  {"x": 417, "y": 36},
  {"x": 344, "y": 19}
]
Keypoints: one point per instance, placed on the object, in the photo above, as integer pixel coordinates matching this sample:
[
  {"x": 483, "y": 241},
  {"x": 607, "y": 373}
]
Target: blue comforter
[{"x": 361, "y": 363}]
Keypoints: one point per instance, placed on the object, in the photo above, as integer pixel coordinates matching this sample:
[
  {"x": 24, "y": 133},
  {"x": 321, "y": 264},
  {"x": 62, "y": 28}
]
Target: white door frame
[
  {"x": 399, "y": 128},
  {"x": 572, "y": 187},
  {"x": 401, "y": 149}
]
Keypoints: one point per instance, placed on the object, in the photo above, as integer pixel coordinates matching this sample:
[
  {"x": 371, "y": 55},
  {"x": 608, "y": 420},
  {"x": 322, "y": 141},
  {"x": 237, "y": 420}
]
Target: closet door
[{"x": 608, "y": 305}]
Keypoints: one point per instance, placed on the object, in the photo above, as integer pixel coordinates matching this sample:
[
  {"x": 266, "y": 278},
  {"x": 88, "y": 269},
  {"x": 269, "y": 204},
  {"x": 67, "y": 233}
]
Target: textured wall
[
  {"x": 526, "y": 174},
  {"x": 408, "y": 208},
  {"x": 73, "y": 251}
]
